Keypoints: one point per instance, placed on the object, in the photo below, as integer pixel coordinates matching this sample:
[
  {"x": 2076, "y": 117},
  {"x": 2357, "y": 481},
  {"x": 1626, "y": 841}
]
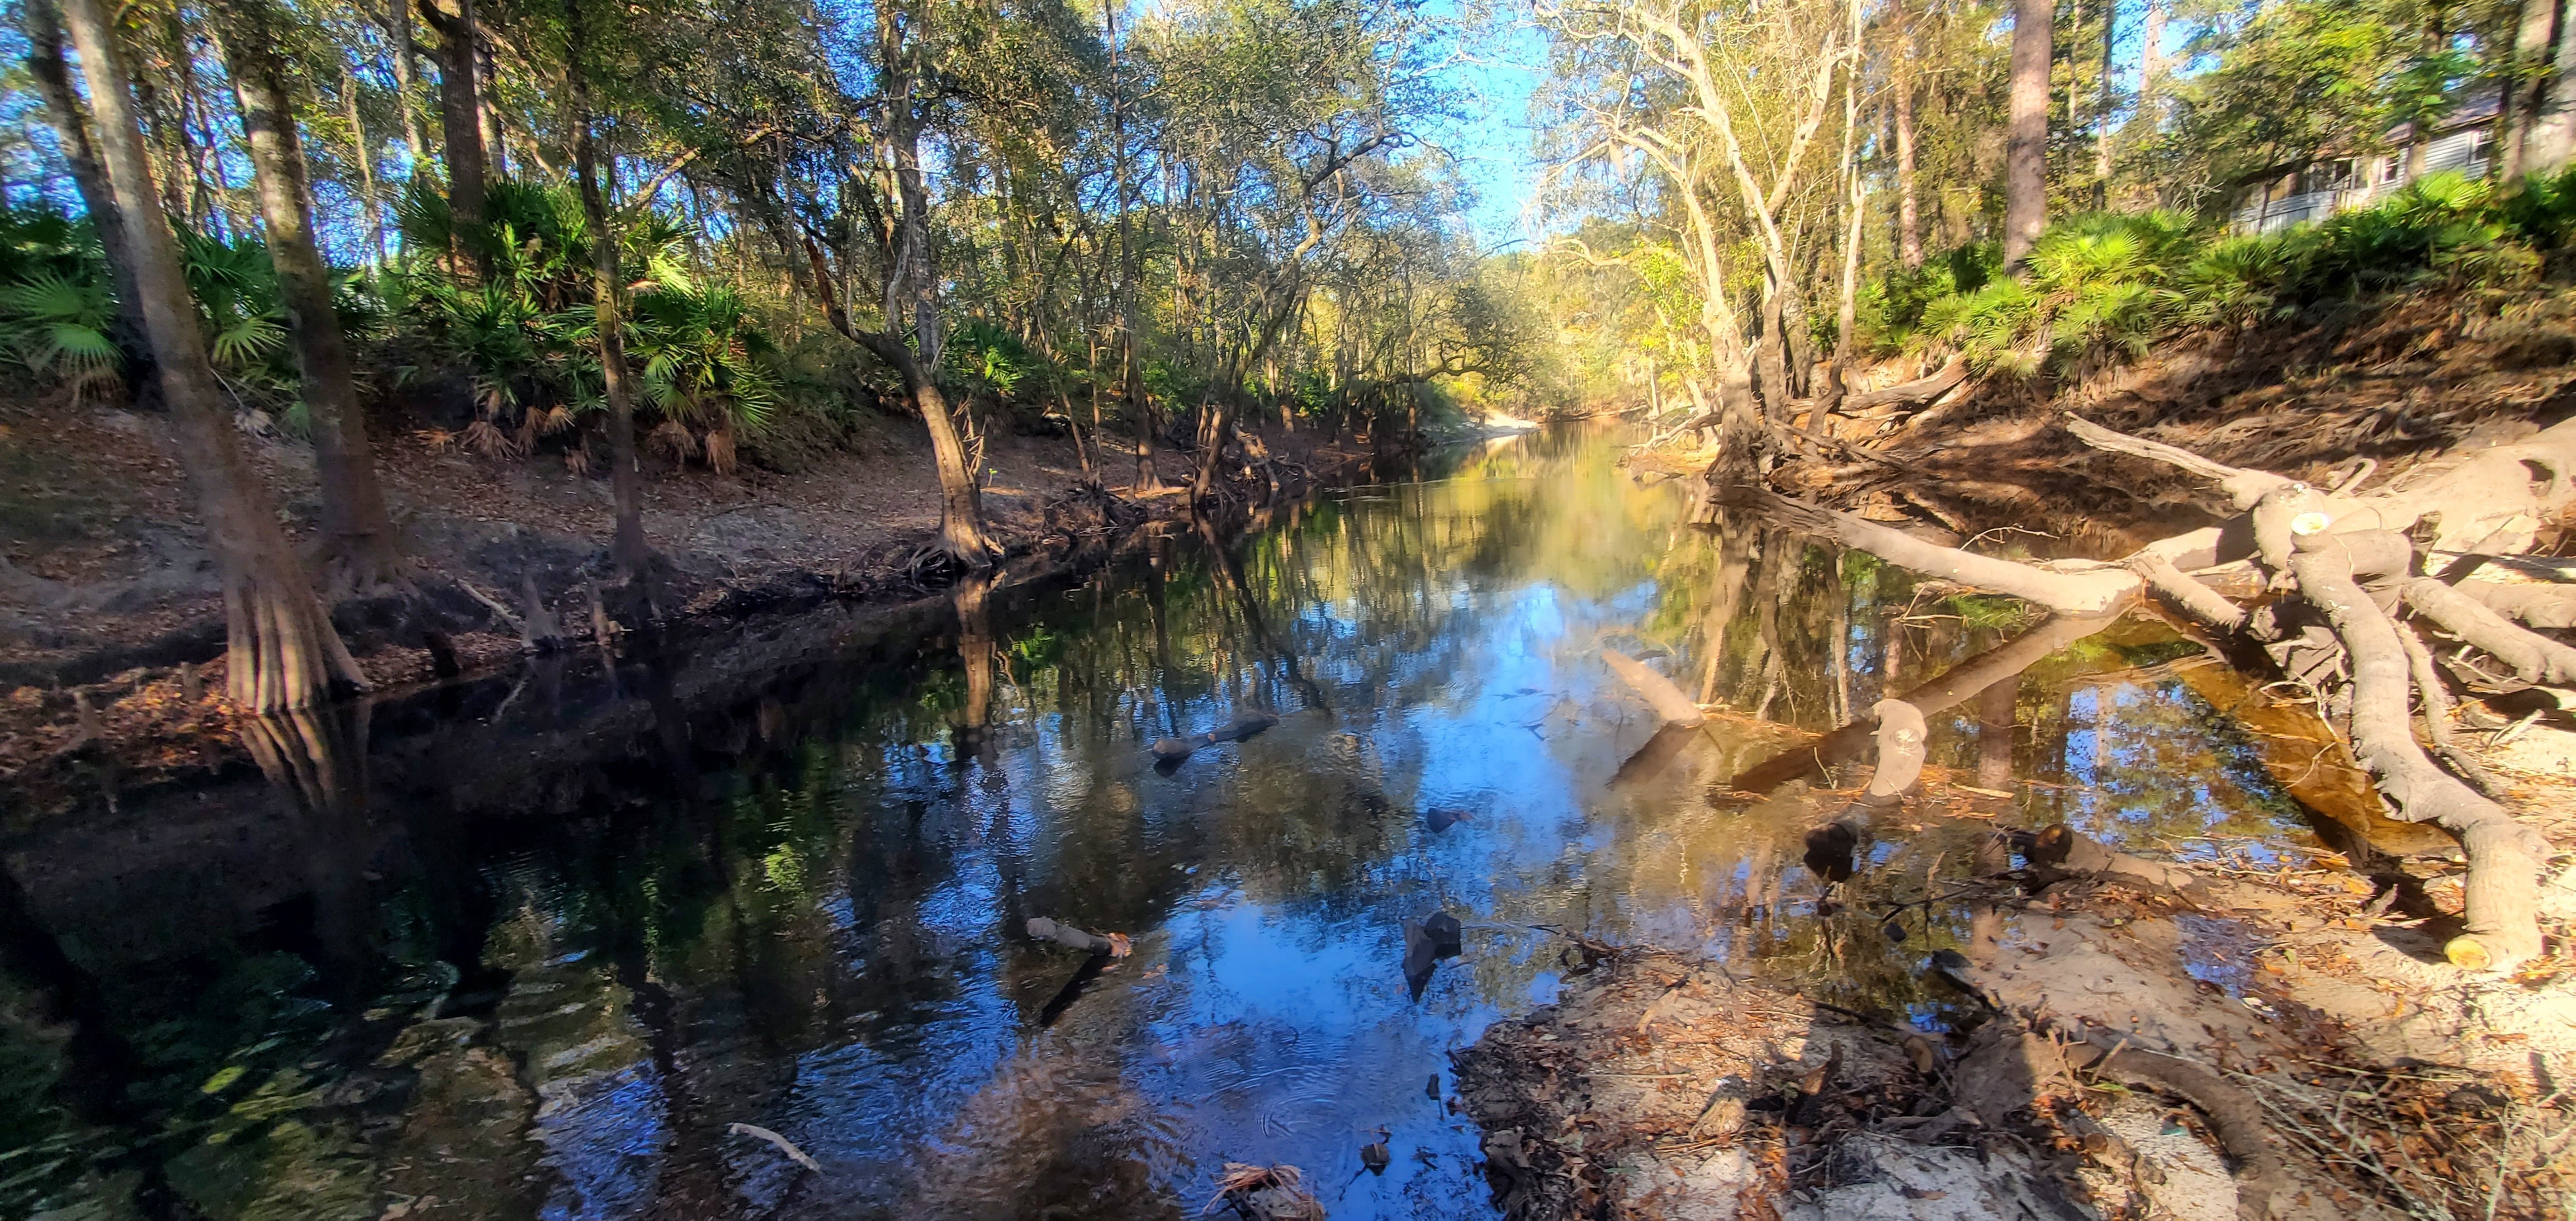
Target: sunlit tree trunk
[
  {"x": 2026, "y": 130},
  {"x": 406, "y": 63},
  {"x": 70, "y": 121},
  {"x": 1909, "y": 217},
  {"x": 358, "y": 548},
  {"x": 284, "y": 652},
  {"x": 2102, "y": 110},
  {"x": 634, "y": 557},
  {"x": 2553, "y": 125},
  {"x": 1131, "y": 370},
  {"x": 2526, "y": 83}
]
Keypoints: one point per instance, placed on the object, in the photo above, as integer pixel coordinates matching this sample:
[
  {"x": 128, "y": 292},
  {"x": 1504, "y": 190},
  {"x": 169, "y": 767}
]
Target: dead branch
[
  {"x": 2080, "y": 593},
  {"x": 2436, "y": 707},
  {"x": 1900, "y": 735},
  {"x": 1906, "y": 394},
  {"x": 2187, "y": 593}
]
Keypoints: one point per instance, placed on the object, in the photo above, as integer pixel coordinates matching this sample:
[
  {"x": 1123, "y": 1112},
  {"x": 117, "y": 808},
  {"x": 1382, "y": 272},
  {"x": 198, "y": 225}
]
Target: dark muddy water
[{"x": 533, "y": 947}]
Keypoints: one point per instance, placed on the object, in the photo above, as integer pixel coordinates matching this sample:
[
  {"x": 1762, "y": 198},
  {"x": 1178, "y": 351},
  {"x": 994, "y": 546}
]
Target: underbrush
[{"x": 2102, "y": 287}]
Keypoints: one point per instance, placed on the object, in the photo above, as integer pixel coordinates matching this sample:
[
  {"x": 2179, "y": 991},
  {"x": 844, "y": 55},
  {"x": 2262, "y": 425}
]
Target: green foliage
[{"x": 2099, "y": 286}]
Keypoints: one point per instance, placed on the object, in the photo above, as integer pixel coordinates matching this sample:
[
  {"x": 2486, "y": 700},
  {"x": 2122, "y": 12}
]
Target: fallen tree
[{"x": 2333, "y": 551}]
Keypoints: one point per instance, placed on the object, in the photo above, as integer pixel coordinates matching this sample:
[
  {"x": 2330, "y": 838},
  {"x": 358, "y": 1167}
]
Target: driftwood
[
  {"x": 2326, "y": 546},
  {"x": 1658, "y": 691},
  {"x": 2505, "y": 856},
  {"x": 2187, "y": 593},
  {"x": 1906, "y": 394},
  {"x": 1173, "y": 750}
]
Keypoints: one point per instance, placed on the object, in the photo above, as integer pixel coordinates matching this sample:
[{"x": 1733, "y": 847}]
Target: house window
[
  {"x": 2385, "y": 169},
  {"x": 2484, "y": 149}
]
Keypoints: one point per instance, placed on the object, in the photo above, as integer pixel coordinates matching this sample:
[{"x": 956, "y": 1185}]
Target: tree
[
  {"x": 2026, "y": 135},
  {"x": 633, "y": 556},
  {"x": 283, "y": 651},
  {"x": 460, "y": 115},
  {"x": 358, "y": 545}
]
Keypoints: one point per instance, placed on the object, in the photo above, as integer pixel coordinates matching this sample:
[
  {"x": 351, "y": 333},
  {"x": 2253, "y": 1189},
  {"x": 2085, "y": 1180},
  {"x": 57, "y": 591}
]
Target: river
[{"x": 534, "y": 946}]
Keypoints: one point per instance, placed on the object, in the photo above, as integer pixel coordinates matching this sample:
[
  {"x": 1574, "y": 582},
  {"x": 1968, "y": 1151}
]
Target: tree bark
[
  {"x": 283, "y": 651},
  {"x": 2102, "y": 111},
  {"x": 460, "y": 115},
  {"x": 2553, "y": 127},
  {"x": 1909, "y": 219},
  {"x": 634, "y": 556},
  {"x": 70, "y": 121},
  {"x": 2026, "y": 130},
  {"x": 406, "y": 70},
  {"x": 358, "y": 547}
]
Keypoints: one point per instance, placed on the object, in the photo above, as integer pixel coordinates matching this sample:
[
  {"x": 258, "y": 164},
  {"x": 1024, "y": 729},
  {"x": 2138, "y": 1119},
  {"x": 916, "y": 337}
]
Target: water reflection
[{"x": 536, "y": 947}]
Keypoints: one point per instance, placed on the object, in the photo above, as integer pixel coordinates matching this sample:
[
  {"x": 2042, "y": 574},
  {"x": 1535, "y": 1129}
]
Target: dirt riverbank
[
  {"x": 2289, "y": 1043},
  {"x": 111, "y": 630}
]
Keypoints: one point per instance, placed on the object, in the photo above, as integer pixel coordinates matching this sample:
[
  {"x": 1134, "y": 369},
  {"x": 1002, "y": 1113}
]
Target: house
[{"x": 2463, "y": 140}]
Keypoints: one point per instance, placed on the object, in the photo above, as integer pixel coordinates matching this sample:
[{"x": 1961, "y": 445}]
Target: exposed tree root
[
  {"x": 2094, "y": 592},
  {"x": 2542, "y": 606},
  {"x": 1906, "y": 394},
  {"x": 2535, "y": 658},
  {"x": 2504, "y": 856}
]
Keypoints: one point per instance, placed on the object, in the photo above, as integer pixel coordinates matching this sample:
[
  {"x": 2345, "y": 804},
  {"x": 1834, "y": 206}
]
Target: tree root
[
  {"x": 2535, "y": 658},
  {"x": 2436, "y": 701},
  {"x": 2542, "y": 606},
  {"x": 2504, "y": 856},
  {"x": 2187, "y": 593},
  {"x": 2235, "y": 1114}
]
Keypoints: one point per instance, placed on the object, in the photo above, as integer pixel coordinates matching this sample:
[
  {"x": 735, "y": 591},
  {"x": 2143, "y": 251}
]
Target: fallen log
[
  {"x": 2493, "y": 500},
  {"x": 2505, "y": 856},
  {"x": 2091, "y": 592},
  {"x": 1658, "y": 691},
  {"x": 1920, "y": 390}
]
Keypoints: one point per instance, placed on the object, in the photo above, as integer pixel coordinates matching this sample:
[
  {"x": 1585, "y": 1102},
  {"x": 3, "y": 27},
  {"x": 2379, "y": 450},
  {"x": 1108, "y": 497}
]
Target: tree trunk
[
  {"x": 1909, "y": 222},
  {"x": 961, "y": 499},
  {"x": 358, "y": 548},
  {"x": 70, "y": 121},
  {"x": 2026, "y": 130},
  {"x": 634, "y": 557},
  {"x": 362, "y": 153},
  {"x": 460, "y": 115},
  {"x": 2526, "y": 84},
  {"x": 2553, "y": 117},
  {"x": 406, "y": 70},
  {"x": 2102, "y": 112},
  {"x": 283, "y": 651},
  {"x": 2151, "y": 63}
]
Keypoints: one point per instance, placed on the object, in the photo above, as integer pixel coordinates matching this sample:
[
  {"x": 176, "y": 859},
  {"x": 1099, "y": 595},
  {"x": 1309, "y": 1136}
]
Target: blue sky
[{"x": 1494, "y": 69}]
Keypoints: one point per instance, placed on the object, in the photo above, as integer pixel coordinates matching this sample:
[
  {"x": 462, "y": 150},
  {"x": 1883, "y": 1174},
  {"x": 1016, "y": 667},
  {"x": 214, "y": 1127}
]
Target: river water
[{"x": 533, "y": 947}]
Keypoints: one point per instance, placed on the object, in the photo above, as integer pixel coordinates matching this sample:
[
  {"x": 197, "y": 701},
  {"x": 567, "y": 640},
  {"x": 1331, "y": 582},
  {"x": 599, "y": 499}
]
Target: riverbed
[{"x": 646, "y": 938}]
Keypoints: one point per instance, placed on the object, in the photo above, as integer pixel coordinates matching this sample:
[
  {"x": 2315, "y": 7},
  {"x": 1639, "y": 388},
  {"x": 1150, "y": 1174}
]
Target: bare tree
[{"x": 2026, "y": 130}]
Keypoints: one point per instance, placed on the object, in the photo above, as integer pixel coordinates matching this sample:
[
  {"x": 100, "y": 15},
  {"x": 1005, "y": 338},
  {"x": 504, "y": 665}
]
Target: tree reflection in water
[{"x": 491, "y": 955}]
